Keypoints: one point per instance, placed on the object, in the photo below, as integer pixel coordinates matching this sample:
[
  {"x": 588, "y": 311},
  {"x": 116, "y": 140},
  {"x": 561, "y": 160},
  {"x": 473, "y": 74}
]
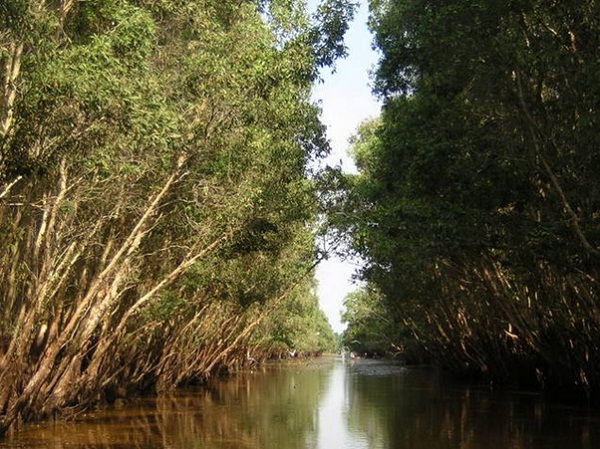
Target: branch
[
  {"x": 12, "y": 69},
  {"x": 10, "y": 186},
  {"x": 170, "y": 278},
  {"x": 535, "y": 132}
]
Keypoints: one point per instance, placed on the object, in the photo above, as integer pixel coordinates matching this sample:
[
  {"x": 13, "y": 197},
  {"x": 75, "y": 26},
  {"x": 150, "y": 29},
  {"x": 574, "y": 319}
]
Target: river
[{"x": 326, "y": 404}]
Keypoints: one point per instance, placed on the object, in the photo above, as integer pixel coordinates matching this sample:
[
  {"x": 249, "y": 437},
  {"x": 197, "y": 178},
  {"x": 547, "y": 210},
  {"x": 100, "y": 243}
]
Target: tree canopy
[
  {"x": 155, "y": 192},
  {"x": 476, "y": 206}
]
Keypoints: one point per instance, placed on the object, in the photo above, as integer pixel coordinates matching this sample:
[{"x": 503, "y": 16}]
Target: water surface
[{"x": 326, "y": 404}]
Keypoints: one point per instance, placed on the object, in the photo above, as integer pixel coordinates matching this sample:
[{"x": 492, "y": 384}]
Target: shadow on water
[{"x": 326, "y": 404}]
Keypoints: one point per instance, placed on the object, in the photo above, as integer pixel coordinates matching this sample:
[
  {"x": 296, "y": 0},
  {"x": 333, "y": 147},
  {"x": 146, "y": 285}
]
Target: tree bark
[{"x": 12, "y": 69}]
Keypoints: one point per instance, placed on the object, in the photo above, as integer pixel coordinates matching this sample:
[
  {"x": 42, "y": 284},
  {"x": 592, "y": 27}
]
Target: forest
[
  {"x": 158, "y": 210},
  {"x": 160, "y": 205},
  {"x": 477, "y": 204}
]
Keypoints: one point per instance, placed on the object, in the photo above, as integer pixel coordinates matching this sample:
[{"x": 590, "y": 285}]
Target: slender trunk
[
  {"x": 249, "y": 327},
  {"x": 61, "y": 359},
  {"x": 12, "y": 69},
  {"x": 109, "y": 342}
]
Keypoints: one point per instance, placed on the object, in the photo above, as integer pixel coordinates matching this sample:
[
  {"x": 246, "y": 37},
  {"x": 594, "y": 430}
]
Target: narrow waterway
[{"x": 327, "y": 404}]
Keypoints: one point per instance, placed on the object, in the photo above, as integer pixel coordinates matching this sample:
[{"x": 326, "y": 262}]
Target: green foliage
[
  {"x": 370, "y": 329},
  {"x": 475, "y": 193},
  {"x": 300, "y": 326},
  {"x": 326, "y": 37},
  {"x": 154, "y": 190}
]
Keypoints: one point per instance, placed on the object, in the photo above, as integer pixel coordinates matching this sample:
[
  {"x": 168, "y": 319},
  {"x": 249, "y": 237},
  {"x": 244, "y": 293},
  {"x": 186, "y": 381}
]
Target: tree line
[
  {"x": 157, "y": 206},
  {"x": 477, "y": 204}
]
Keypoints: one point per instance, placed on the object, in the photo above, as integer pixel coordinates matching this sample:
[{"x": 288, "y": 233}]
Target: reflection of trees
[
  {"x": 261, "y": 410},
  {"x": 278, "y": 408},
  {"x": 381, "y": 403},
  {"x": 414, "y": 411},
  {"x": 252, "y": 411}
]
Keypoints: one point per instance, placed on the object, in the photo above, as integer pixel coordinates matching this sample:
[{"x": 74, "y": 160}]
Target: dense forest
[
  {"x": 159, "y": 202},
  {"x": 477, "y": 203},
  {"x": 157, "y": 206}
]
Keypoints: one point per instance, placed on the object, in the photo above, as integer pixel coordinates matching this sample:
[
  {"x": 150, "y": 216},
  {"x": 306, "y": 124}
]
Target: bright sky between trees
[{"x": 346, "y": 100}]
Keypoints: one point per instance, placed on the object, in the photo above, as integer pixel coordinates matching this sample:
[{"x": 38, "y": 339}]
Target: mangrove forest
[
  {"x": 157, "y": 206},
  {"x": 162, "y": 198},
  {"x": 477, "y": 204}
]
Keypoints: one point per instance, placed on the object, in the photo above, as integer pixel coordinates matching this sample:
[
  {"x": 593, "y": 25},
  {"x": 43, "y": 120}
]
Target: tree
[
  {"x": 149, "y": 154},
  {"x": 469, "y": 208}
]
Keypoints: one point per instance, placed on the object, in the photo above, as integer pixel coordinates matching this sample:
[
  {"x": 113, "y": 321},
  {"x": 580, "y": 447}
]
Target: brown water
[{"x": 327, "y": 404}]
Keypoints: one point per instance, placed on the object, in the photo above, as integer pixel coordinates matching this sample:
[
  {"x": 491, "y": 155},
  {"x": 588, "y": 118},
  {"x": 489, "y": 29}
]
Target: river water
[{"x": 326, "y": 404}]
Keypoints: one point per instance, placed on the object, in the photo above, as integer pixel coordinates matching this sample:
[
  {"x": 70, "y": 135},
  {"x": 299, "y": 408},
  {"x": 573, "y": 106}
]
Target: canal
[{"x": 326, "y": 404}]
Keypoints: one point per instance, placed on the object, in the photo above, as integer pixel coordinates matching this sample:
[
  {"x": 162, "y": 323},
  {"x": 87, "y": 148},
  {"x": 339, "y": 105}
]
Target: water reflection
[
  {"x": 334, "y": 415},
  {"x": 325, "y": 405}
]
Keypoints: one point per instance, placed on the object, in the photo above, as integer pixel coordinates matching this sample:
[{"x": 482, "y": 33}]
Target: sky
[{"x": 346, "y": 100}]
